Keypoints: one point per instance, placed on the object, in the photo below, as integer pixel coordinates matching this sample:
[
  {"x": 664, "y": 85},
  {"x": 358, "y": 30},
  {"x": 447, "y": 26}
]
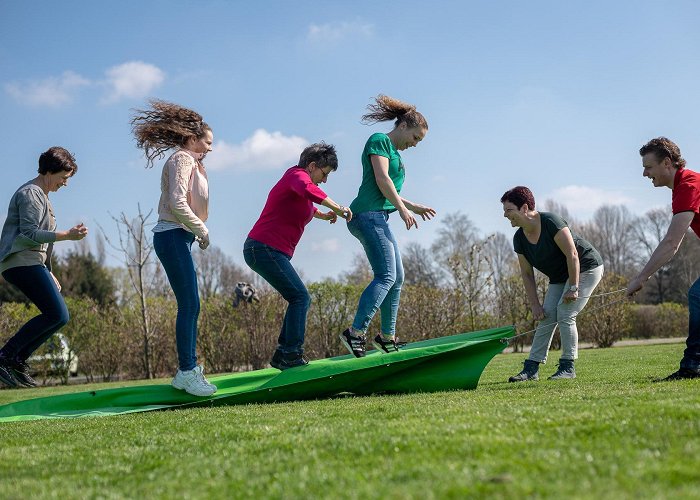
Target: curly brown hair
[
  {"x": 165, "y": 126},
  {"x": 664, "y": 148},
  {"x": 387, "y": 108}
]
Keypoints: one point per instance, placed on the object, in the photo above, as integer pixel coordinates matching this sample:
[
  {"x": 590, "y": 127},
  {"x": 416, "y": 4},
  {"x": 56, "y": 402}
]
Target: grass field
[{"x": 612, "y": 433}]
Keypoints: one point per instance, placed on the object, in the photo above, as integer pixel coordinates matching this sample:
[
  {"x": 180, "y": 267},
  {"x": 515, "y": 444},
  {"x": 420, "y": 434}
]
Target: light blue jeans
[
  {"x": 384, "y": 291},
  {"x": 564, "y": 314}
]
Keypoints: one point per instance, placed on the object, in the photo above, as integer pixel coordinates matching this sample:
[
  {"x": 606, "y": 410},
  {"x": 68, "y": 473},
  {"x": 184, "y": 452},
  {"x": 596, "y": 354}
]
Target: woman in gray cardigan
[{"x": 26, "y": 245}]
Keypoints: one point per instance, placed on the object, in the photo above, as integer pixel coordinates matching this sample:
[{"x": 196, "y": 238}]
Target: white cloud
[
  {"x": 261, "y": 150},
  {"x": 133, "y": 80},
  {"x": 584, "y": 200},
  {"x": 333, "y": 32},
  {"x": 331, "y": 245},
  {"x": 52, "y": 92}
]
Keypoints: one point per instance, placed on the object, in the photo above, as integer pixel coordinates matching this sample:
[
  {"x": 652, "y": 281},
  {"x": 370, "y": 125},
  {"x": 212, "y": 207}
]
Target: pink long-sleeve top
[{"x": 288, "y": 209}]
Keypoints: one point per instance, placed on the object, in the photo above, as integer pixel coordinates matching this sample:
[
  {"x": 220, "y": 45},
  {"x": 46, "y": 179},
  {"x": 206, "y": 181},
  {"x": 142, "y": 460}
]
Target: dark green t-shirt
[
  {"x": 547, "y": 257},
  {"x": 369, "y": 196}
]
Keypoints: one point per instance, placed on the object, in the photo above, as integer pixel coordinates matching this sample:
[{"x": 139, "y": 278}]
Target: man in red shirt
[{"x": 663, "y": 164}]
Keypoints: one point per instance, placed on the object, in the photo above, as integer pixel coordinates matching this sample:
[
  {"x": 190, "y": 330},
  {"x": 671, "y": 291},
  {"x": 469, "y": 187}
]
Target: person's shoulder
[
  {"x": 30, "y": 190},
  {"x": 181, "y": 157},
  {"x": 378, "y": 138},
  {"x": 690, "y": 176}
]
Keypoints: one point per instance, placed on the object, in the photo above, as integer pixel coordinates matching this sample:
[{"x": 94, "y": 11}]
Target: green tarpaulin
[{"x": 453, "y": 362}]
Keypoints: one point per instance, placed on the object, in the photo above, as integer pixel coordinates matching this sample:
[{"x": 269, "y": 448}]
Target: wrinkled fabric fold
[{"x": 446, "y": 363}]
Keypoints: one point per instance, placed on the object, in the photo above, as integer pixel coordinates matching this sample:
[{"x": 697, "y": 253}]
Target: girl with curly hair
[{"x": 182, "y": 212}]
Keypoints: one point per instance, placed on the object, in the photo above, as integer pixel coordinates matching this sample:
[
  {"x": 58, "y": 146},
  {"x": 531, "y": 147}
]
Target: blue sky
[{"x": 555, "y": 95}]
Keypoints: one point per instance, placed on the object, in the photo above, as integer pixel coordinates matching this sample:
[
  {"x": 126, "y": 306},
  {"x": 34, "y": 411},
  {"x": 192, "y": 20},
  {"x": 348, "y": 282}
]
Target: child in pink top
[{"x": 271, "y": 243}]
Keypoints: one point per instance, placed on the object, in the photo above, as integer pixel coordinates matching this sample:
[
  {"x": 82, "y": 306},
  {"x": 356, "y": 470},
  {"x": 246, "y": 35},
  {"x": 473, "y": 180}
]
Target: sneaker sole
[
  {"x": 183, "y": 388},
  {"x": 380, "y": 348},
  {"x": 347, "y": 346}
]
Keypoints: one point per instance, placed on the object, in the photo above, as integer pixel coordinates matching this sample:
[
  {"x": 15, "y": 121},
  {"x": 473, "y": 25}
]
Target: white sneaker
[
  {"x": 200, "y": 368},
  {"x": 192, "y": 382}
]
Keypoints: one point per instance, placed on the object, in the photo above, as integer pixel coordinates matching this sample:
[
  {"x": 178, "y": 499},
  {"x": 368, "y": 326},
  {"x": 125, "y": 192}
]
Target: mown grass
[{"x": 611, "y": 433}]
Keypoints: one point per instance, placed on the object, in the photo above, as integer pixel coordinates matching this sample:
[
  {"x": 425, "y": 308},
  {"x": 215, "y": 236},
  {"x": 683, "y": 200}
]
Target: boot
[
  {"x": 529, "y": 372},
  {"x": 565, "y": 370}
]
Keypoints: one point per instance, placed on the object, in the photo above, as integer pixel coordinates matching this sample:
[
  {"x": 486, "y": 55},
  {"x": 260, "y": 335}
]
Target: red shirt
[
  {"x": 289, "y": 208},
  {"x": 686, "y": 195}
]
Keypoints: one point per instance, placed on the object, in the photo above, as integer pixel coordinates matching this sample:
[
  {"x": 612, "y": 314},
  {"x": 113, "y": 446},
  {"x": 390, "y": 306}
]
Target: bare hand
[
  {"x": 329, "y": 216},
  {"x": 570, "y": 296},
  {"x": 538, "y": 313},
  {"x": 77, "y": 233},
  {"x": 634, "y": 286},
  {"x": 426, "y": 213},
  {"x": 203, "y": 242},
  {"x": 58, "y": 285},
  {"x": 408, "y": 219},
  {"x": 345, "y": 213}
]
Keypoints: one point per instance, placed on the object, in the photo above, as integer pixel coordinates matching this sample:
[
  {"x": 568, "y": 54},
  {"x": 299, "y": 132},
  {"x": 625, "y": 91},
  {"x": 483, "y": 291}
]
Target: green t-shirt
[
  {"x": 547, "y": 257},
  {"x": 369, "y": 197}
]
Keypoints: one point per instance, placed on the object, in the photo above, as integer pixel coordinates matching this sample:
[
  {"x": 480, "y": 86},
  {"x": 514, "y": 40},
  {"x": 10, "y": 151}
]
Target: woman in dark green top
[
  {"x": 382, "y": 179},
  {"x": 574, "y": 268}
]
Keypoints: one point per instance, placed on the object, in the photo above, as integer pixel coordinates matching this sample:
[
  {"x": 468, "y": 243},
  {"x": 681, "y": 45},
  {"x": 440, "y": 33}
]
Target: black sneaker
[
  {"x": 387, "y": 346},
  {"x": 354, "y": 344},
  {"x": 6, "y": 376},
  {"x": 285, "y": 361},
  {"x": 20, "y": 370},
  {"x": 683, "y": 374}
]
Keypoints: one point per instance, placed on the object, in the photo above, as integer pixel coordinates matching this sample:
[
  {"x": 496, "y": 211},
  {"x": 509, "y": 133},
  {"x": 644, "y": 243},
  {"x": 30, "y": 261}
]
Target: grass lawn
[{"x": 611, "y": 433}]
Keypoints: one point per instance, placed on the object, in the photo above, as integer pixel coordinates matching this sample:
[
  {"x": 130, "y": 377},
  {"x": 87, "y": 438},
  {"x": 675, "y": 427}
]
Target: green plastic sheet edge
[{"x": 445, "y": 363}]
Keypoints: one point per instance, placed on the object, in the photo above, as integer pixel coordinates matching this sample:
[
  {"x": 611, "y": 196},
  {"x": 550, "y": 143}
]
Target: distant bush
[{"x": 659, "y": 321}]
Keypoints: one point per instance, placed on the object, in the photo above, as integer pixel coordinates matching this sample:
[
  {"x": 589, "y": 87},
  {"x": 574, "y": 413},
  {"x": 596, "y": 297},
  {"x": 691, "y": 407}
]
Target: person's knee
[
  {"x": 301, "y": 298},
  {"x": 60, "y": 318}
]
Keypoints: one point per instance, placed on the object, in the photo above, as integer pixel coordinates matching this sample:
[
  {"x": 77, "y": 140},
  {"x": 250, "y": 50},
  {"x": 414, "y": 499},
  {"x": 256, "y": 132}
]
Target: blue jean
[
  {"x": 174, "y": 250},
  {"x": 276, "y": 268},
  {"x": 37, "y": 284},
  {"x": 691, "y": 356},
  {"x": 384, "y": 291}
]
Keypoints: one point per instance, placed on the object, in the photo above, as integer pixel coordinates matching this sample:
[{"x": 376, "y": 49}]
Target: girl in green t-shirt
[{"x": 382, "y": 179}]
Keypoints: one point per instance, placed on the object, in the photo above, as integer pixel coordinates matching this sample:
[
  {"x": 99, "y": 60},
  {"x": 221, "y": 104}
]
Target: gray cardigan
[{"x": 30, "y": 223}]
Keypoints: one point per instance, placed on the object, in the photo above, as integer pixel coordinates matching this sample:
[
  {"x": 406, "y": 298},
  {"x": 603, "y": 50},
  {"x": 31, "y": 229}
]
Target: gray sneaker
[
  {"x": 565, "y": 370},
  {"x": 529, "y": 372}
]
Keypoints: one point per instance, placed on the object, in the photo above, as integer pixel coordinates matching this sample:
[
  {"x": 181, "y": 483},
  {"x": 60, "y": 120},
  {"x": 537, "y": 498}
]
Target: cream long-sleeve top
[{"x": 184, "y": 193}]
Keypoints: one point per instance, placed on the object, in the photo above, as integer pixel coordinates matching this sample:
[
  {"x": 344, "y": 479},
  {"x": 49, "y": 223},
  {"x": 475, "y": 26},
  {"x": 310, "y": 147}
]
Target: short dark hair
[
  {"x": 664, "y": 148},
  {"x": 519, "y": 196},
  {"x": 57, "y": 159},
  {"x": 323, "y": 154}
]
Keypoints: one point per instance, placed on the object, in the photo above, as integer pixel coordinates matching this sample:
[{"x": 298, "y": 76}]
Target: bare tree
[
  {"x": 648, "y": 232},
  {"x": 360, "y": 272},
  {"x": 610, "y": 233},
  {"x": 137, "y": 249},
  {"x": 474, "y": 278},
  {"x": 419, "y": 266},
  {"x": 217, "y": 273},
  {"x": 454, "y": 243}
]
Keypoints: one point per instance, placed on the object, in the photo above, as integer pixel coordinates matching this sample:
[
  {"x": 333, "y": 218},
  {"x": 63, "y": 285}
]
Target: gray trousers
[{"x": 564, "y": 315}]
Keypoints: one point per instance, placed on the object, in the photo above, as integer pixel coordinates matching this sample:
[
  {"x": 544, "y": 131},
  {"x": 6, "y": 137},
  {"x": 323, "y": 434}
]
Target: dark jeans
[
  {"x": 174, "y": 249},
  {"x": 691, "y": 356},
  {"x": 37, "y": 284},
  {"x": 275, "y": 267}
]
